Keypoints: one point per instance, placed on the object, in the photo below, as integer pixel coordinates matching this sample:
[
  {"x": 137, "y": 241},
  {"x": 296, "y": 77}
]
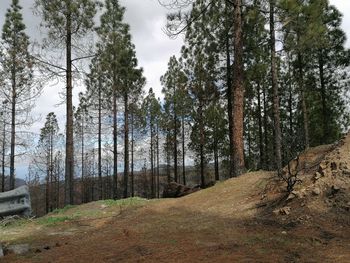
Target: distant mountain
[{"x": 19, "y": 182}]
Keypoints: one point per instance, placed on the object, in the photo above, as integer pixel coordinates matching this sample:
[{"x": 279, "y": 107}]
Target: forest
[{"x": 256, "y": 84}]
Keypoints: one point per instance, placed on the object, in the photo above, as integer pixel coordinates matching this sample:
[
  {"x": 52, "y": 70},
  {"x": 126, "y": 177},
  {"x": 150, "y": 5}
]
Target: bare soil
[{"x": 239, "y": 220}]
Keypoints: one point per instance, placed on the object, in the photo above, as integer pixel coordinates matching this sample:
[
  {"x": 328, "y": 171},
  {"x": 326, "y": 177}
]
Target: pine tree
[
  {"x": 114, "y": 37},
  {"x": 45, "y": 159},
  {"x": 174, "y": 82},
  {"x": 97, "y": 95},
  {"x": 67, "y": 21},
  {"x": 17, "y": 66},
  {"x": 82, "y": 128},
  {"x": 152, "y": 115}
]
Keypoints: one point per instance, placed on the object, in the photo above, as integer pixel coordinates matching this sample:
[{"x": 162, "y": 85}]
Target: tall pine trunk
[
  {"x": 69, "y": 171},
  {"x": 175, "y": 140},
  {"x": 157, "y": 146},
  {"x": 216, "y": 160},
  {"x": 266, "y": 139},
  {"x": 83, "y": 179},
  {"x": 276, "y": 106},
  {"x": 13, "y": 123},
  {"x": 261, "y": 144},
  {"x": 202, "y": 141},
  {"x": 229, "y": 89},
  {"x": 183, "y": 151},
  {"x": 325, "y": 138},
  {"x": 168, "y": 156},
  {"x": 303, "y": 101},
  {"x": 152, "y": 157},
  {"x": 100, "y": 183},
  {"x": 238, "y": 92},
  {"x": 3, "y": 152},
  {"x": 126, "y": 144},
  {"x": 115, "y": 143},
  {"x": 132, "y": 154}
]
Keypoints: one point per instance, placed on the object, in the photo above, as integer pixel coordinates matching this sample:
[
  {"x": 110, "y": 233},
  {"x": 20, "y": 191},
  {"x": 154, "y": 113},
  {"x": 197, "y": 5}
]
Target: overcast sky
[{"x": 147, "y": 19}]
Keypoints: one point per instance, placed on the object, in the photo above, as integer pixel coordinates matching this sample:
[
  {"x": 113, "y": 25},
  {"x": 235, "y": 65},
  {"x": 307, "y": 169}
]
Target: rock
[
  {"x": 276, "y": 212},
  {"x": 343, "y": 166},
  {"x": 19, "y": 249},
  {"x": 346, "y": 172},
  {"x": 291, "y": 196},
  {"x": 1, "y": 251},
  {"x": 282, "y": 211},
  {"x": 334, "y": 166},
  {"x": 326, "y": 173},
  {"x": 316, "y": 191},
  {"x": 299, "y": 194},
  {"x": 335, "y": 189},
  {"x": 323, "y": 166},
  {"x": 174, "y": 190},
  {"x": 284, "y": 232},
  {"x": 285, "y": 210},
  {"x": 317, "y": 176}
]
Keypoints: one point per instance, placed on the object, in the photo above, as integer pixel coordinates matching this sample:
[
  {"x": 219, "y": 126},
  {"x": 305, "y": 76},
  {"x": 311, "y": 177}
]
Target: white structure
[{"x": 15, "y": 202}]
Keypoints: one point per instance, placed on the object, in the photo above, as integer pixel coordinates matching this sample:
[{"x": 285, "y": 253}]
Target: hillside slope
[{"x": 245, "y": 219}]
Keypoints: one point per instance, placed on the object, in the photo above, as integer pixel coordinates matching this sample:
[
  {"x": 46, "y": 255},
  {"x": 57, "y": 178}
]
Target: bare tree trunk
[
  {"x": 267, "y": 157},
  {"x": 152, "y": 158},
  {"x": 238, "y": 92},
  {"x": 157, "y": 159},
  {"x": 100, "y": 139},
  {"x": 175, "y": 140},
  {"x": 115, "y": 142},
  {"x": 303, "y": 102},
  {"x": 83, "y": 197},
  {"x": 276, "y": 106},
  {"x": 323, "y": 97},
  {"x": 168, "y": 156},
  {"x": 229, "y": 89},
  {"x": 52, "y": 197},
  {"x": 47, "y": 193},
  {"x": 216, "y": 161},
  {"x": 261, "y": 144},
  {"x": 13, "y": 126},
  {"x": 3, "y": 152},
  {"x": 183, "y": 152},
  {"x": 126, "y": 144},
  {"x": 132, "y": 154},
  {"x": 69, "y": 173},
  {"x": 202, "y": 141}
]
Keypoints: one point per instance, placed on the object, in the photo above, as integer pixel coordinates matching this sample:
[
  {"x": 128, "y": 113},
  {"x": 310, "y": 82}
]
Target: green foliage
[
  {"x": 54, "y": 220},
  {"x": 134, "y": 201},
  {"x": 63, "y": 210},
  {"x": 57, "y": 14}
]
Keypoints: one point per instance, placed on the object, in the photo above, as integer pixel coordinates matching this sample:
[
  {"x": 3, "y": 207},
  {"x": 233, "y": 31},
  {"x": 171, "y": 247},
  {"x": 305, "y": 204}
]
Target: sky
[{"x": 147, "y": 19}]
